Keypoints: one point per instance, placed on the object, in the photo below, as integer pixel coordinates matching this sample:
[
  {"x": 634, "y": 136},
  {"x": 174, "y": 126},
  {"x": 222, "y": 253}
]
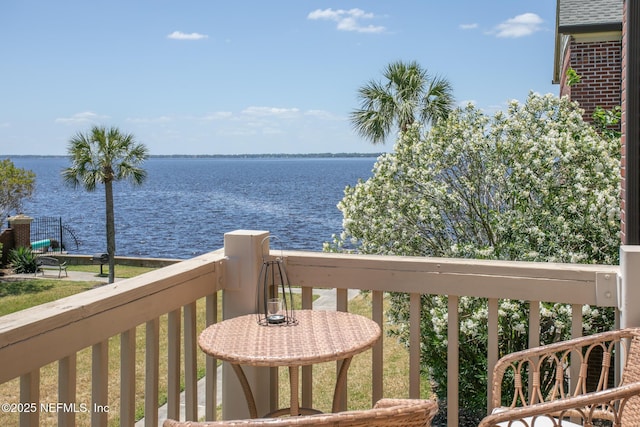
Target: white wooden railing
[{"x": 56, "y": 332}]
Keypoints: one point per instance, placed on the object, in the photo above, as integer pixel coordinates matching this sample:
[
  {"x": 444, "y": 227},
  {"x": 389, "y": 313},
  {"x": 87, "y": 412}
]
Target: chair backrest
[
  {"x": 632, "y": 368},
  {"x": 541, "y": 374},
  {"x": 631, "y": 414},
  {"x": 388, "y": 412}
]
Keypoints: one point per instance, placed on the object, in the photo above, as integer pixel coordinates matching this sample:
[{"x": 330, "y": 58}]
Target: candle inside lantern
[{"x": 274, "y": 311}]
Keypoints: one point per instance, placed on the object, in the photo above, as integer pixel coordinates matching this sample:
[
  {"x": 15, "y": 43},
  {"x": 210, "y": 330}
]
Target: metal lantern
[{"x": 274, "y": 302}]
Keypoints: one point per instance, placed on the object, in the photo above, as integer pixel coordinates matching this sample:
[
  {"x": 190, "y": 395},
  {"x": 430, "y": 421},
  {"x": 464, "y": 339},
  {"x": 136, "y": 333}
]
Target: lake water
[{"x": 187, "y": 204}]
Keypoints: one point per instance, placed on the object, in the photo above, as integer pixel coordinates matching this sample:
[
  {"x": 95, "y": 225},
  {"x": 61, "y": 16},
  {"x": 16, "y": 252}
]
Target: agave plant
[{"x": 23, "y": 260}]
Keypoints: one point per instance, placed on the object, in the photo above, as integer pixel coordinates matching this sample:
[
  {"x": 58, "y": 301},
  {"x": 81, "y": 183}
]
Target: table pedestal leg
[
  {"x": 251, "y": 403},
  {"x": 293, "y": 381},
  {"x": 341, "y": 383},
  {"x": 294, "y": 410}
]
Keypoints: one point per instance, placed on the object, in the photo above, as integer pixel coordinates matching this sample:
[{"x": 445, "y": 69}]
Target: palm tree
[
  {"x": 102, "y": 156},
  {"x": 407, "y": 95}
]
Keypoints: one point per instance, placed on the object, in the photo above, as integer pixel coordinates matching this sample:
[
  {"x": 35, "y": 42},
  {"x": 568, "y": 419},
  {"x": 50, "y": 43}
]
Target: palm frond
[
  {"x": 103, "y": 155},
  {"x": 437, "y": 100},
  {"x": 409, "y": 94},
  {"x": 369, "y": 124}
]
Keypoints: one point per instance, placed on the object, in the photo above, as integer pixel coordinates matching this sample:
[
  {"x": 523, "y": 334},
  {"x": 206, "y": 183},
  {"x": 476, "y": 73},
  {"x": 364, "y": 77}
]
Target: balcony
[{"x": 168, "y": 299}]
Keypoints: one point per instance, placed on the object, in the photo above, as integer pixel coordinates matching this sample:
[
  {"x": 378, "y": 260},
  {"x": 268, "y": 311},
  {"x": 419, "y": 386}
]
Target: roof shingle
[{"x": 579, "y": 13}]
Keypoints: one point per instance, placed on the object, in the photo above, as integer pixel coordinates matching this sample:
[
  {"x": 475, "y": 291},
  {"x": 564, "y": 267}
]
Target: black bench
[
  {"x": 50, "y": 263},
  {"x": 100, "y": 259}
]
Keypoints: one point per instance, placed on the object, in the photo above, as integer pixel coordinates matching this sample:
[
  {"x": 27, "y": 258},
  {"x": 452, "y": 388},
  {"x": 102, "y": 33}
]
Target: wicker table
[{"x": 319, "y": 336}]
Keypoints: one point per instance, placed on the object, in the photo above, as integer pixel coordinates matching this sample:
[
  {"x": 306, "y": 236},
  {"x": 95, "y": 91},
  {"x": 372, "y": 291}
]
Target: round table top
[{"x": 319, "y": 336}]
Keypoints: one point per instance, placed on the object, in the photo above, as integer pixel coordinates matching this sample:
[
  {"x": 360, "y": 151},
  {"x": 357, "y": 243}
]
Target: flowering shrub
[{"x": 533, "y": 183}]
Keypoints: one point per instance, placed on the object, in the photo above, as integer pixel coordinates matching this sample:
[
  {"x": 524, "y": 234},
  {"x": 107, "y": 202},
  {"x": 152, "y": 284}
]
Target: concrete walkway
[{"x": 83, "y": 276}]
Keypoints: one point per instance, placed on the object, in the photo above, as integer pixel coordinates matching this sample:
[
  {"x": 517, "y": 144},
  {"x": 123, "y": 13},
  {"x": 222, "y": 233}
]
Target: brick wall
[
  {"x": 599, "y": 64},
  {"x": 623, "y": 120},
  {"x": 21, "y": 235},
  {"x": 21, "y": 225},
  {"x": 6, "y": 238}
]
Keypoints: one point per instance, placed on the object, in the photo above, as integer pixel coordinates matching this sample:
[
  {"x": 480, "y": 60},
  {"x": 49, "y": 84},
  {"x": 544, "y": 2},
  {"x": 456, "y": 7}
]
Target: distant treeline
[
  {"x": 269, "y": 155},
  {"x": 236, "y": 156}
]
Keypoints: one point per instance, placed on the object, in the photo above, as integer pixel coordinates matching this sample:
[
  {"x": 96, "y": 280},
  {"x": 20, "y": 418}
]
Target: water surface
[{"x": 187, "y": 204}]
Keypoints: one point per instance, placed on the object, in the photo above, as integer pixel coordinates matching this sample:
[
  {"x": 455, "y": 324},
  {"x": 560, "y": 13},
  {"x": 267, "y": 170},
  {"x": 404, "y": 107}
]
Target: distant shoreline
[{"x": 226, "y": 156}]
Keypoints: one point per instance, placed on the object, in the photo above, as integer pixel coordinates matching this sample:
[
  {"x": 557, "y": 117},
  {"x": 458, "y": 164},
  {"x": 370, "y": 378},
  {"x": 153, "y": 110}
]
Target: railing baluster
[
  {"x": 100, "y": 383},
  {"x": 128, "y": 377},
  {"x": 453, "y": 369},
  {"x": 534, "y": 339},
  {"x": 342, "y": 304},
  {"x": 30, "y": 395},
  {"x": 492, "y": 346},
  {"x": 307, "y": 298},
  {"x": 152, "y": 372},
  {"x": 67, "y": 389},
  {"x": 342, "y": 299},
  {"x": 377, "y": 356},
  {"x": 173, "y": 365},
  {"x": 307, "y": 371},
  {"x": 534, "y": 323},
  {"x": 576, "y": 332},
  {"x": 211, "y": 369},
  {"x": 190, "y": 365},
  {"x": 415, "y": 337},
  {"x": 274, "y": 392},
  {"x": 576, "y": 320}
]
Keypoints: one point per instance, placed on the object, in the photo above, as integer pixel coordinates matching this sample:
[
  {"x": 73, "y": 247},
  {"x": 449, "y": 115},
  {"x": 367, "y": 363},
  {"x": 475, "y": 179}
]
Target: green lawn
[
  {"x": 122, "y": 271},
  {"x": 16, "y": 295},
  {"x": 19, "y": 294}
]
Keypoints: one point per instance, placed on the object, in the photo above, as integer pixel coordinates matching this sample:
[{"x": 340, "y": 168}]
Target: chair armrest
[
  {"x": 430, "y": 406},
  {"x": 588, "y": 406},
  {"x": 389, "y": 402}
]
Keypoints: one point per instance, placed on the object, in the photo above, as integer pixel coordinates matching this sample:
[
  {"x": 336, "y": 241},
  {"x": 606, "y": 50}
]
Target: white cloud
[
  {"x": 145, "y": 120},
  {"x": 274, "y": 123},
  {"x": 267, "y": 130},
  {"x": 519, "y": 26},
  {"x": 347, "y": 20},
  {"x": 179, "y": 35},
  {"x": 322, "y": 114},
  {"x": 218, "y": 115},
  {"x": 79, "y": 118},
  {"x": 271, "y": 121},
  {"x": 468, "y": 26}
]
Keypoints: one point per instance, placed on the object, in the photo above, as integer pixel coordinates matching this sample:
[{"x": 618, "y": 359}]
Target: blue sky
[{"x": 234, "y": 77}]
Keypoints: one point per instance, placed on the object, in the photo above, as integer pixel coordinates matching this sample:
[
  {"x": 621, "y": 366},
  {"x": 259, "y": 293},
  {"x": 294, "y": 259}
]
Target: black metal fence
[{"x": 49, "y": 233}]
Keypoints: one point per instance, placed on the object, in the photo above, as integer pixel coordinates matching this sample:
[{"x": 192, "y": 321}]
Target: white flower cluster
[{"x": 533, "y": 183}]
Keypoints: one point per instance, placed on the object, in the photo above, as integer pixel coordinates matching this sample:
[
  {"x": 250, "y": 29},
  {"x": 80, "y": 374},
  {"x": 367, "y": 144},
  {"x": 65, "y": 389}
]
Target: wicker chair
[
  {"x": 549, "y": 402},
  {"x": 387, "y": 412}
]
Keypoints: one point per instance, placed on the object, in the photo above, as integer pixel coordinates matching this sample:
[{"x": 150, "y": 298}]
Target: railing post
[
  {"x": 21, "y": 225},
  {"x": 244, "y": 250},
  {"x": 629, "y": 292}
]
